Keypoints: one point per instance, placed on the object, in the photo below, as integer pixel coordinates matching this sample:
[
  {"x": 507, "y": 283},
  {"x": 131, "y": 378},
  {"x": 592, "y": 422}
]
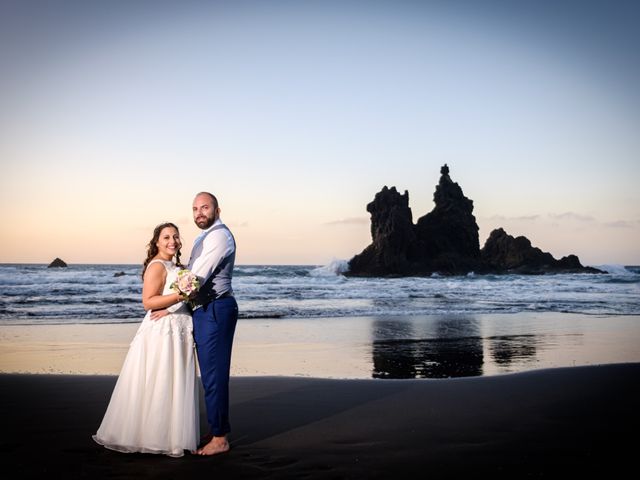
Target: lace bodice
[{"x": 172, "y": 275}]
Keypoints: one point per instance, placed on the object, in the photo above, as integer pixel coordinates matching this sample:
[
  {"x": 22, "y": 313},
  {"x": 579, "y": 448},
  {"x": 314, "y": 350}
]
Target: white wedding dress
[{"x": 154, "y": 406}]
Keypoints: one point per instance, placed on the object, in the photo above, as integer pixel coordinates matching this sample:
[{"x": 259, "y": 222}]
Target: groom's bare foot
[
  {"x": 216, "y": 446},
  {"x": 204, "y": 440}
]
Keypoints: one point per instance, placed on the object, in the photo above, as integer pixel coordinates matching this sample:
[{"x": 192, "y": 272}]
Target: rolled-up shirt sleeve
[{"x": 216, "y": 246}]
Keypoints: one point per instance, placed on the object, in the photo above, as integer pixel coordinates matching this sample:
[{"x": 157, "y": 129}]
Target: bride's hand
[{"x": 158, "y": 314}]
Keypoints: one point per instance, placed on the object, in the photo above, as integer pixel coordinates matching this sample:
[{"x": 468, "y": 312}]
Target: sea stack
[
  {"x": 503, "y": 253},
  {"x": 448, "y": 235},
  {"x": 445, "y": 240},
  {"x": 57, "y": 263},
  {"x": 393, "y": 235}
]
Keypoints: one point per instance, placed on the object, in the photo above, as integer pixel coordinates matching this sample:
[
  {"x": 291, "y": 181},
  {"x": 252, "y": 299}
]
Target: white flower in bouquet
[{"x": 186, "y": 284}]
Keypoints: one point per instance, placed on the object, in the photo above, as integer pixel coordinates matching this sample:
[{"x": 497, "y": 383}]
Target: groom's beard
[{"x": 204, "y": 222}]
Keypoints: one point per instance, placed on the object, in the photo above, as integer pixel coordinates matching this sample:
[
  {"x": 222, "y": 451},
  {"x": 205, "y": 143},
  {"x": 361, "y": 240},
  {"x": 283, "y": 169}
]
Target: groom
[{"x": 214, "y": 319}]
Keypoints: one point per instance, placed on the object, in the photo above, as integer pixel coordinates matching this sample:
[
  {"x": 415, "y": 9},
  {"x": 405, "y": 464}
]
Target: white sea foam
[
  {"x": 615, "y": 269},
  {"x": 35, "y": 294},
  {"x": 335, "y": 267}
]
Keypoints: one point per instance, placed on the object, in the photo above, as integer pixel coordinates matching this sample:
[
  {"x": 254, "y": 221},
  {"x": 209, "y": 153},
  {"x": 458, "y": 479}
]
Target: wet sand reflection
[
  {"x": 444, "y": 347},
  {"x": 508, "y": 349}
]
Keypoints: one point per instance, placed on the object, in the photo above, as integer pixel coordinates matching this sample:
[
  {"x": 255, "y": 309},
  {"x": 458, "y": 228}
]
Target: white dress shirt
[{"x": 209, "y": 249}]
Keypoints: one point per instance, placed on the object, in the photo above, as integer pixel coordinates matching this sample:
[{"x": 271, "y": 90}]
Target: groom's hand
[{"x": 158, "y": 314}]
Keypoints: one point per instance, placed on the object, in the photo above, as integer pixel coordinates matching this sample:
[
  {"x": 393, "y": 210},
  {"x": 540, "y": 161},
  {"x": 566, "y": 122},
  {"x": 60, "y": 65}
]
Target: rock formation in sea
[
  {"x": 504, "y": 253},
  {"x": 445, "y": 240},
  {"x": 448, "y": 235},
  {"x": 393, "y": 234},
  {"x": 57, "y": 263}
]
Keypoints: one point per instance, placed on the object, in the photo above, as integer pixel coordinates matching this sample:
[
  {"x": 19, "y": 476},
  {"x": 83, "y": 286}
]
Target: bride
[{"x": 154, "y": 405}]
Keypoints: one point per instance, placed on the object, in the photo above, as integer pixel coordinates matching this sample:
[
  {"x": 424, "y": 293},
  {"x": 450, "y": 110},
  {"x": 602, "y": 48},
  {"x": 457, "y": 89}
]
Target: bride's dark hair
[{"x": 152, "y": 248}]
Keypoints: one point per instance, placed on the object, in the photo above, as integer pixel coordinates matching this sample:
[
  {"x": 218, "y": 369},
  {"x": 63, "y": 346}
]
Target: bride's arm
[{"x": 152, "y": 298}]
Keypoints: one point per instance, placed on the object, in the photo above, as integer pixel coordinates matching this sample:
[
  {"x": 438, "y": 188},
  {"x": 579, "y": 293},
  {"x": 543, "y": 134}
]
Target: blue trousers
[{"x": 213, "y": 329}]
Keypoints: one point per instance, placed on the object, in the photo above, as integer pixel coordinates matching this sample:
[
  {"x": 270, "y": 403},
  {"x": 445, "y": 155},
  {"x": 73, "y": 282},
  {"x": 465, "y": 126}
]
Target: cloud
[
  {"x": 565, "y": 216},
  {"x": 620, "y": 224},
  {"x": 526, "y": 218},
  {"x": 239, "y": 225},
  {"x": 571, "y": 216},
  {"x": 349, "y": 221}
]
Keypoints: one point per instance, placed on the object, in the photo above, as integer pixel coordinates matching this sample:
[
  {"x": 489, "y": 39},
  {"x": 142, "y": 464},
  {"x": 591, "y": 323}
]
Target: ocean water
[{"x": 35, "y": 294}]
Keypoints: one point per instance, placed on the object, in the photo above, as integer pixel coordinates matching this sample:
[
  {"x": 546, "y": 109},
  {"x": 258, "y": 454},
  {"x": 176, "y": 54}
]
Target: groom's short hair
[{"x": 213, "y": 198}]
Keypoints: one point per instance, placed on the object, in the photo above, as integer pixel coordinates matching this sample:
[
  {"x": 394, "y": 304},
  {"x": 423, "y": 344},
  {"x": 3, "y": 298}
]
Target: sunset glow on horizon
[{"x": 295, "y": 114}]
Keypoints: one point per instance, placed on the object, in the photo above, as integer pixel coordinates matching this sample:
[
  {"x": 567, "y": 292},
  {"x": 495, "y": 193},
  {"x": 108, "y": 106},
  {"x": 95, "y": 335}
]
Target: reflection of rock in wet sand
[
  {"x": 455, "y": 350},
  {"x": 430, "y": 358},
  {"x": 508, "y": 349}
]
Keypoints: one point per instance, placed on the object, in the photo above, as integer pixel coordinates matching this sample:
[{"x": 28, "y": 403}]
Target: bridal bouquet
[{"x": 186, "y": 284}]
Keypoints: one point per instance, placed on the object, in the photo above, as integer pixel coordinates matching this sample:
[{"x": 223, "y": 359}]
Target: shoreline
[
  {"x": 352, "y": 347},
  {"x": 572, "y": 420},
  {"x": 274, "y": 377}
]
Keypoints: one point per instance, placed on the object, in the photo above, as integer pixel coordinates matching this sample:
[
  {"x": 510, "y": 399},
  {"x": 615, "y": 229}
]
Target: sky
[{"x": 295, "y": 113}]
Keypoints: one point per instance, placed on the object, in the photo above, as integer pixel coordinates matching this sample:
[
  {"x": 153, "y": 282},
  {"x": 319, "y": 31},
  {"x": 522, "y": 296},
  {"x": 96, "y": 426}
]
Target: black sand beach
[{"x": 569, "y": 421}]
